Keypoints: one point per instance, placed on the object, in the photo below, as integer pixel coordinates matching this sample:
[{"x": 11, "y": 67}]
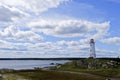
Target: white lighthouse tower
[{"x": 92, "y": 49}]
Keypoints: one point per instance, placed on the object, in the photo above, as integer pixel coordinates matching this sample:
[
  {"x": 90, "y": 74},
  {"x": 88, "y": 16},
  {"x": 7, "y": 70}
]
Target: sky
[{"x": 59, "y": 28}]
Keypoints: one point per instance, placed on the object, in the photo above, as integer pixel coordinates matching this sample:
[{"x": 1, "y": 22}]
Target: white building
[{"x": 92, "y": 49}]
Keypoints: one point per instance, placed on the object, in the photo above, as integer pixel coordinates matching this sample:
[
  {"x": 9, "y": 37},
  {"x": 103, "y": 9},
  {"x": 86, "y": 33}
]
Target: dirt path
[{"x": 88, "y": 74}]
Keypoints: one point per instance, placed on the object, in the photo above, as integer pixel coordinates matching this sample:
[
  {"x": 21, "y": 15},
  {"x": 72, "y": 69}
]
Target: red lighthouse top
[{"x": 91, "y": 40}]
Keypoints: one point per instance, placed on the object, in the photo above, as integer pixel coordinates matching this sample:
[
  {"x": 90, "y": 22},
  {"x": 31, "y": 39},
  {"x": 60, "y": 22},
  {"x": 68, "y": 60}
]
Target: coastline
[
  {"x": 29, "y": 64},
  {"x": 68, "y": 69}
]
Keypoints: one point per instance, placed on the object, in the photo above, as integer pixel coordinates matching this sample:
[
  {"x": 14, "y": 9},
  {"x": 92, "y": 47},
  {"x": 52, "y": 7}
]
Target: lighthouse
[{"x": 92, "y": 49}]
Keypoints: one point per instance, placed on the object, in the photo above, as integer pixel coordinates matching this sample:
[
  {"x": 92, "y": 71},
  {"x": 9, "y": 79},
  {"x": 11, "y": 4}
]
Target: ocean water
[{"x": 28, "y": 64}]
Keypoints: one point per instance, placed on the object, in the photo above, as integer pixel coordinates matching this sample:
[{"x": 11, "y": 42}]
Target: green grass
[
  {"x": 101, "y": 72},
  {"x": 106, "y": 72},
  {"x": 71, "y": 66},
  {"x": 12, "y": 76},
  {"x": 53, "y": 75}
]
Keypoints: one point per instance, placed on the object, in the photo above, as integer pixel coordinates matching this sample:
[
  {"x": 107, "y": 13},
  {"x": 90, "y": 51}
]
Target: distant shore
[{"x": 106, "y": 58}]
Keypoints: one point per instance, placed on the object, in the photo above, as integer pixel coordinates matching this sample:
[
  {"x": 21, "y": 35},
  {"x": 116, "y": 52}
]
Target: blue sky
[{"x": 59, "y": 28}]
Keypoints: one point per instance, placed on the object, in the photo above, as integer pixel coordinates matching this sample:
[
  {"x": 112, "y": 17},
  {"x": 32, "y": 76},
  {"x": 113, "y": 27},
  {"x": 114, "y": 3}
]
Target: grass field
[
  {"x": 109, "y": 72},
  {"x": 51, "y": 75}
]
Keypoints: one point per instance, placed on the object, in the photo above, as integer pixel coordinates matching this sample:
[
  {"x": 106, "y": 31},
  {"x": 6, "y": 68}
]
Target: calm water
[{"x": 28, "y": 64}]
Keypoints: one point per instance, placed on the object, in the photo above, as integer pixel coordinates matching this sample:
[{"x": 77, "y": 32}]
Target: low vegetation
[
  {"x": 106, "y": 68},
  {"x": 51, "y": 75}
]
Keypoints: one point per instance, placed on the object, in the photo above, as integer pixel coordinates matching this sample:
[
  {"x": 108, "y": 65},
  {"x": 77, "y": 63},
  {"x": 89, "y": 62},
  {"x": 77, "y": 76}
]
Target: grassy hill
[{"x": 103, "y": 67}]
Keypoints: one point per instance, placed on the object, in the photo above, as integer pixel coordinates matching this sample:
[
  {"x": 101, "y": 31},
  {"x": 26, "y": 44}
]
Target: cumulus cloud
[
  {"x": 107, "y": 53},
  {"x": 46, "y": 49},
  {"x": 51, "y": 49},
  {"x": 28, "y": 36},
  {"x": 26, "y": 40},
  {"x": 70, "y": 28},
  {"x": 3, "y": 43},
  {"x": 113, "y": 40},
  {"x": 8, "y": 14},
  {"x": 14, "y": 33},
  {"x": 20, "y": 11},
  {"x": 36, "y": 6}
]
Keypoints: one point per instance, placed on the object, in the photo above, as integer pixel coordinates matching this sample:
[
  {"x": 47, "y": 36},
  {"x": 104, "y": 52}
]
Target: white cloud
[
  {"x": 14, "y": 33},
  {"x": 113, "y": 40},
  {"x": 24, "y": 41},
  {"x": 51, "y": 49},
  {"x": 70, "y": 28},
  {"x": 21, "y": 11},
  {"x": 9, "y": 14},
  {"x": 43, "y": 49},
  {"x": 36, "y": 6},
  {"x": 3, "y": 44},
  {"x": 8, "y": 31},
  {"x": 106, "y": 53},
  {"x": 27, "y": 36}
]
